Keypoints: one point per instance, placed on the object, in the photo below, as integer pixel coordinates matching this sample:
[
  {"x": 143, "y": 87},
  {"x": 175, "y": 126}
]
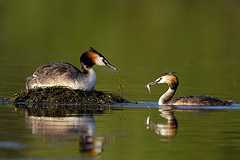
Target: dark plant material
[{"x": 65, "y": 96}]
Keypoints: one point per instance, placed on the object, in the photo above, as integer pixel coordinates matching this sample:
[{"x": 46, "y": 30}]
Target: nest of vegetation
[{"x": 65, "y": 96}]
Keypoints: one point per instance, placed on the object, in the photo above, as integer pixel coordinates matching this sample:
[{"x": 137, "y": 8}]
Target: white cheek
[
  {"x": 99, "y": 61},
  {"x": 163, "y": 80}
]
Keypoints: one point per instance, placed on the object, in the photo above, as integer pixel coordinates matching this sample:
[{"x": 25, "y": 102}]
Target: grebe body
[
  {"x": 66, "y": 75},
  {"x": 193, "y": 100}
]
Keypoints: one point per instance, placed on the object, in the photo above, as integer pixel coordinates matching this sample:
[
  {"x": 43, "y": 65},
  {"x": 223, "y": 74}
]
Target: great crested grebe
[
  {"x": 64, "y": 74},
  {"x": 196, "y": 100}
]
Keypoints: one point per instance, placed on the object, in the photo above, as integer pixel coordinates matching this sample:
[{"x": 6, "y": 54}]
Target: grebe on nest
[
  {"x": 64, "y": 74},
  {"x": 196, "y": 100}
]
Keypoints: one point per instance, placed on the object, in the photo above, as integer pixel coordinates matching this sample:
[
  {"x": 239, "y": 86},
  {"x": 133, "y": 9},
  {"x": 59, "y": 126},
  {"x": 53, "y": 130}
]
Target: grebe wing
[
  {"x": 199, "y": 100},
  {"x": 56, "y": 69}
]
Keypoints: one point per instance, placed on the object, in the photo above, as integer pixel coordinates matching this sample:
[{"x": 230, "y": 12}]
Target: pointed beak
[
  {"x": 153, "y": 83},
  {"x": 109, "y": 65}
]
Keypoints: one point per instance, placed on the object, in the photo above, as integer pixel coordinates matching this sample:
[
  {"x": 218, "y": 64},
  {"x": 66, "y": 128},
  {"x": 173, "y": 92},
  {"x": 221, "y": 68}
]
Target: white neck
[
  {"x": 89, "y": 80},
  {"x": 85, "y": 81},
  {"x": 166, "y": 96}
]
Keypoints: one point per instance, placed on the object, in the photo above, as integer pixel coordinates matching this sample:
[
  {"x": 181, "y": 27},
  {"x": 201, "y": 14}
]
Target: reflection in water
[
  {"x": 168, "y": 128},
  {"x": 61, "y": 126},
  {"x": 58, "y": 123}
]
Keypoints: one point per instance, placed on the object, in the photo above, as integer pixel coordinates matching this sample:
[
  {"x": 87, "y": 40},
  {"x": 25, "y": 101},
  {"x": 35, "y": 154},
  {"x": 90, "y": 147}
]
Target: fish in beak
[{"x": 151, "y": 84}]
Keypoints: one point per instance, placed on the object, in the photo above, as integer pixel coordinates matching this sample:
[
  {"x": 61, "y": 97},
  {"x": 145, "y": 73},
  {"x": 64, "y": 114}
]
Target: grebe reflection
[
  {"x": 166, "y": 129},
  {"x": 63, "y": 127}
]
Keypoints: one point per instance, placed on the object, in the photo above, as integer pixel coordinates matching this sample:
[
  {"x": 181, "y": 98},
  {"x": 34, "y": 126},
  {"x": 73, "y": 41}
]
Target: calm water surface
[
  {"x": 197, "y": 39},
  {"x": 138, "y": 131}
]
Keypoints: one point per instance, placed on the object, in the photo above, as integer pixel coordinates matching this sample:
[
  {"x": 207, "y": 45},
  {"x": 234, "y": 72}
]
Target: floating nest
[{"x": 62, "y": 95}]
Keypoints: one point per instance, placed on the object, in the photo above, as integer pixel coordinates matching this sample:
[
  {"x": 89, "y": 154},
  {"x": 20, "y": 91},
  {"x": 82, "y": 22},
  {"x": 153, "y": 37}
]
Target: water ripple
[{"x": 12, "y": 145}]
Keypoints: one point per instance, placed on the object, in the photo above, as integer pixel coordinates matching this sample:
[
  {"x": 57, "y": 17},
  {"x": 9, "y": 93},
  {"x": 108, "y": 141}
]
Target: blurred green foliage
[{"x": 197, "y": 39}]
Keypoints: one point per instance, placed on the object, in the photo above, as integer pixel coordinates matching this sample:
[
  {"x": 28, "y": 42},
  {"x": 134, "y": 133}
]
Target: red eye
[{"x": 159, "y": 79}]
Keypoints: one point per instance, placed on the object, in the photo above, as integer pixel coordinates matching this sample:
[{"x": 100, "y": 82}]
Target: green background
[
  {"x": 143, "y": 38},
  {"x": 197, "y": 39}
]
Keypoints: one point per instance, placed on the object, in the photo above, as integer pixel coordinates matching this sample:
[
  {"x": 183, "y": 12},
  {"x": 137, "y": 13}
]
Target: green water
[
  {"x": 119, "y": 132},
  {"x": 197, "y": 39}
]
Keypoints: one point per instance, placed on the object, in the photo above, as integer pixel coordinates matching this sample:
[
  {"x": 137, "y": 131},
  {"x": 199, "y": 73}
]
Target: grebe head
[
  {"x": 92, "y": 57},
  {"x": 168, "y": 78}
]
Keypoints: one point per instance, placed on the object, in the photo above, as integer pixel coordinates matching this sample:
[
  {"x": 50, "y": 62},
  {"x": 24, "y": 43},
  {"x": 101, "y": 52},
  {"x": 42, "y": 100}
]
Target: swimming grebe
[
  {"x": 64, "y": 74},
  {"x": 172, "y": 81}
]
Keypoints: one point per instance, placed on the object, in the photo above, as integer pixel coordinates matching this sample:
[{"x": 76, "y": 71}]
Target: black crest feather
[{"x": 93, "y": 50}]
